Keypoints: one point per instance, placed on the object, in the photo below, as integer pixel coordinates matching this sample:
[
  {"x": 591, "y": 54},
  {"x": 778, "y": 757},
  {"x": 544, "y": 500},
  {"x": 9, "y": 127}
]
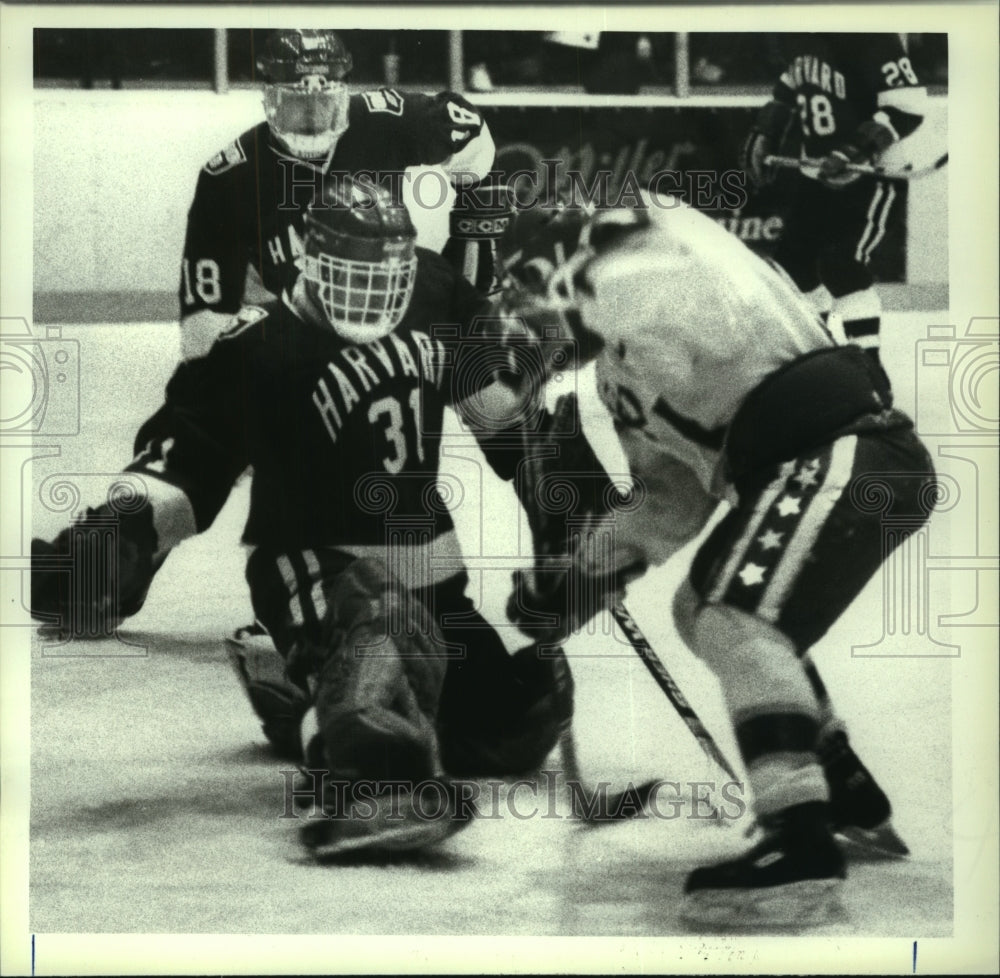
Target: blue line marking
[
  {"x": 914, "y": 957},
  {"x": 32, "y": 954}
]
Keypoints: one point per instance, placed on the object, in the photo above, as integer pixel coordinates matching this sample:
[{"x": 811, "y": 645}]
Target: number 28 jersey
[
  {"x": 834, "y": 82},
  {"x": 250, "y": 199}
]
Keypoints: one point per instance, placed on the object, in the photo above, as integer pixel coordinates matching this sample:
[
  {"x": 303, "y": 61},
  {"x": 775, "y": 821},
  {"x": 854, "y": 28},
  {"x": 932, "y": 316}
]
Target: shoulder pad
[
  {"x": 233, "y": 155},
  {"x": 243, "y": 320},
  {"x": 386, "y": 100}
]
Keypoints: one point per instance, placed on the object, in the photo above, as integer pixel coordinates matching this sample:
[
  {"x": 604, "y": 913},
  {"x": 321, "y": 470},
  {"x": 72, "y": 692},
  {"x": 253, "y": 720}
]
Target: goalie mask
[
  {"x": 305, "y": 99},
  {"x": 360, "y": 259}
]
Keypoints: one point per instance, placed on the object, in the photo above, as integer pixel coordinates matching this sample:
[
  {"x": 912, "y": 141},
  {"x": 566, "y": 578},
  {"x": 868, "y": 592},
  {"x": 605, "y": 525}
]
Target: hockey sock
[
  {"x": 772, "y": 704},
  {"x": 861, "y": 315}
]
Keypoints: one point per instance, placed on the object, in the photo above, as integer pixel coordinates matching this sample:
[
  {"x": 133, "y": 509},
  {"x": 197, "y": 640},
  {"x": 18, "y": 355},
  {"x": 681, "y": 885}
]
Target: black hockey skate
[
  {"x": 860, "y": 809},
  {"x": 790, "y": 879}
]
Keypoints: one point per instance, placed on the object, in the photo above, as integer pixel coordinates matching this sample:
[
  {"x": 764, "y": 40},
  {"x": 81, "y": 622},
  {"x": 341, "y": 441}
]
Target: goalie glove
[{"x": 95, "y": 573}]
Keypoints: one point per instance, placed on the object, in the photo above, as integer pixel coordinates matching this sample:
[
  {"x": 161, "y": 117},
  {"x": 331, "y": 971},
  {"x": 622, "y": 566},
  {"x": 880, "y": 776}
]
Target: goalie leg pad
[{"x": 377, "y": 673}]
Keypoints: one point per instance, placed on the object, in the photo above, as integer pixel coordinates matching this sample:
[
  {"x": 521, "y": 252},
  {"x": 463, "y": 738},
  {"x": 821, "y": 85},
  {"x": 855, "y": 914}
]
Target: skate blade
[
  {"x": 802, "y": 904},
  {"x": 882, "y": 842}
]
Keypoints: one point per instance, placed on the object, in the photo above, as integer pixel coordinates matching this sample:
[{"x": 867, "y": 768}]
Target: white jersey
[{"x": 692, "y": 321}]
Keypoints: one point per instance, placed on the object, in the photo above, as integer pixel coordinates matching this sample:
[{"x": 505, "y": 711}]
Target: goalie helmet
[
  {"x": 305, "y": 99},
  {"x": 360, "y": 259}
]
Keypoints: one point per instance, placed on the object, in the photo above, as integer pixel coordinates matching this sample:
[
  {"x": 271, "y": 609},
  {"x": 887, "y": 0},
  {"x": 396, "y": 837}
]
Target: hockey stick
[
  {"x": 640, "y": 795},
  {"x": 666, "y": 682},
  {"x": 864, "y": 169}
]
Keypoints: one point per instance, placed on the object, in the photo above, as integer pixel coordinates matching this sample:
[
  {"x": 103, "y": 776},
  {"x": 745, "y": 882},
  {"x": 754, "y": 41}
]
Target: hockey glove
[
  {"x": 871, "y": 138},
  {"x": 550, "y": 604},
  {"x": 833, "y": 171},
  {"x": 756, "y": 147},
  {"x": 95, "y": 573}
]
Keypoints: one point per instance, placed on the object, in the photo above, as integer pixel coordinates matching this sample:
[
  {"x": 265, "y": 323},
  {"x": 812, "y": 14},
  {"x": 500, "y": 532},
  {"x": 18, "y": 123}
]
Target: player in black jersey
[
  {"x": 331, "y": 395},
  {"x": 843, "y": 98},
  {"x": 250, "y": 199},
  {"x": 247, "y": 217}
]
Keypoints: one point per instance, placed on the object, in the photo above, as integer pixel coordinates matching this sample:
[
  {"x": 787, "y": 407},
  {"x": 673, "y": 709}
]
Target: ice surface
[{"x": 156, "y": 808}]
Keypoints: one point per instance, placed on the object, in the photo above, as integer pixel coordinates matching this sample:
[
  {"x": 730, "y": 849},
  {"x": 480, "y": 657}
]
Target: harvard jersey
[
  {"x": 251, "y": 197},
  {"x": 341, "y": 437},
  {"x": 707, "y": 321},
  {"x": 834, "y": 82}
]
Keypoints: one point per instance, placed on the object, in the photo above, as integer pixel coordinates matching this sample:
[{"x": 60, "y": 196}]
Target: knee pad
[
  {"x": 686, "y": 606},
  {"x": 843, "y": 274},
  {"x": 375, "y": 620},
  {"x": 756, "y": 665}
]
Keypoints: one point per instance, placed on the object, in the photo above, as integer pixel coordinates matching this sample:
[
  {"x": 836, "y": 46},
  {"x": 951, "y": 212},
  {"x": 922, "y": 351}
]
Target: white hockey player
[{"x": 724, "y": 385}]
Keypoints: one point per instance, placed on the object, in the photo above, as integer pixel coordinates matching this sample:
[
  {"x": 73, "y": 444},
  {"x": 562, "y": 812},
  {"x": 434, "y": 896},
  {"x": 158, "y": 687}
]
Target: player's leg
[
  {"x": 771, "y": 579},
  {"x": 798, "y": 249},
  {"x": 859, "y": 216},
  {"x": 792, "y": 873},
  {"x": 371, "y": 657}
]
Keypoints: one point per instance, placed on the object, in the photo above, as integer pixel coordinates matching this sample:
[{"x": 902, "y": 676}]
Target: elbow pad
[{"x": 773, "y": 120}]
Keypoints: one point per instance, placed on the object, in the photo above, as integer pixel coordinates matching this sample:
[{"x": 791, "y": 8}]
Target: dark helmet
[
  {"x": 291, "y": 55},
  {"x": 544, "y": 256},
  {"x": 360, "y": 259},
  {"x": 305, "y": 99}
]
